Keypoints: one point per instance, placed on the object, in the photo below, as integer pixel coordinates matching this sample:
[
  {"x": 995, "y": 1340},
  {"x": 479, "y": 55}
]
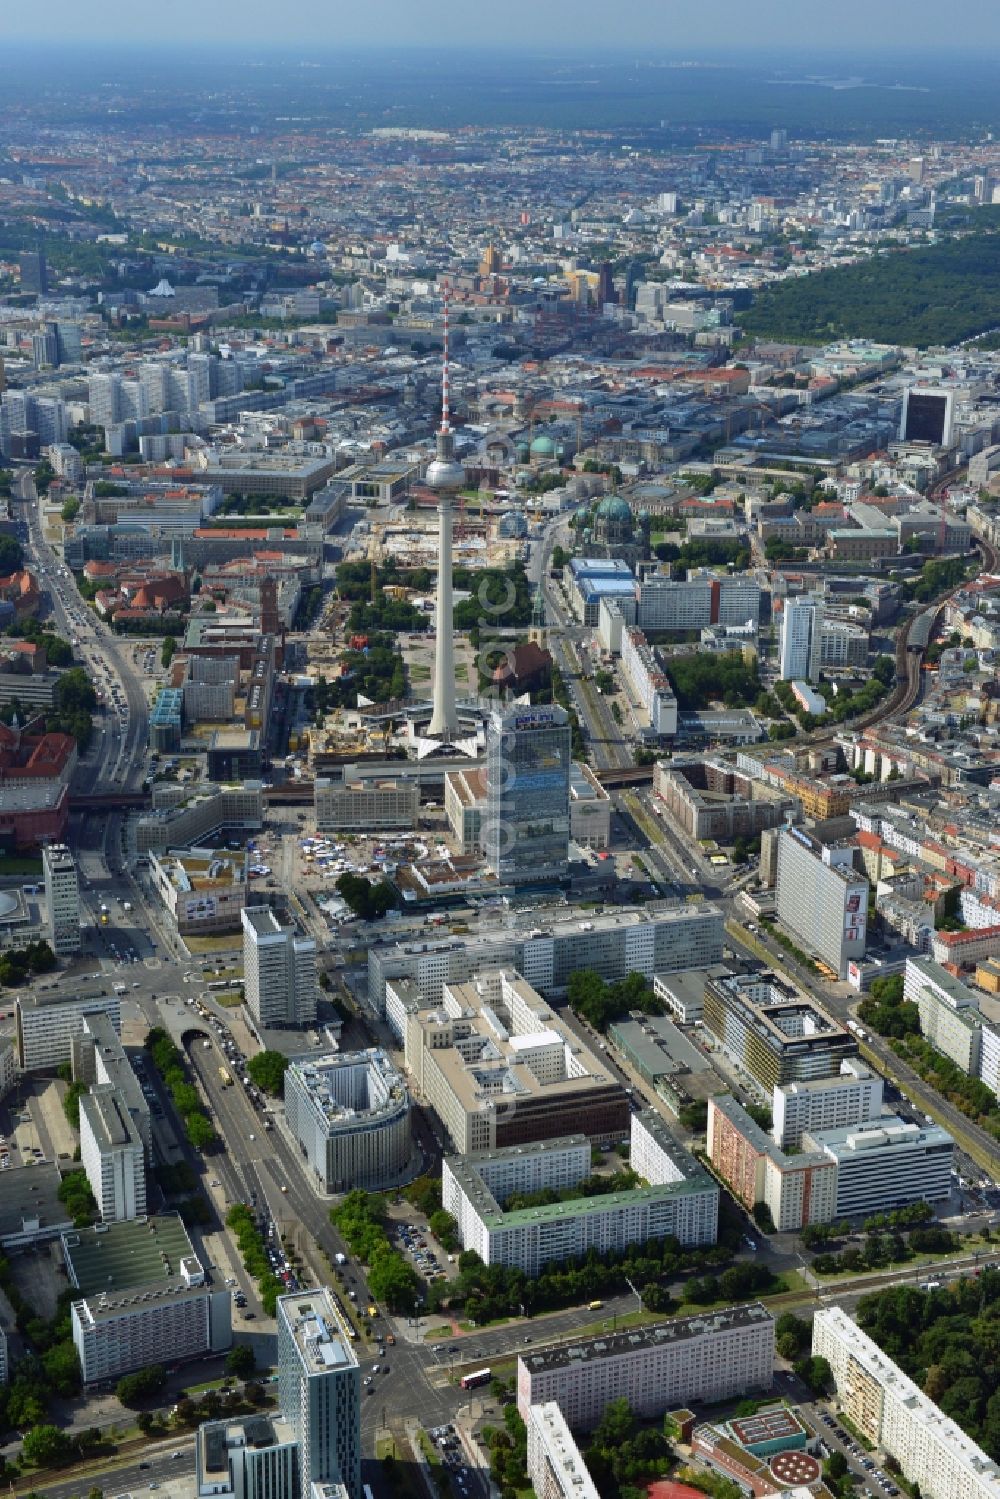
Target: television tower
[{"x": 445, "y": 476}]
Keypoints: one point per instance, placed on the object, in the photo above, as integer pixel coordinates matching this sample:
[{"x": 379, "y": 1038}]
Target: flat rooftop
[
  {"x": 216, "y": 1439},
  {"x": 120, "y": 1256},
  {"x": 29, "y": 1193},
  {"x": 201, "y": 869},
  {"x": 317, "y": 1330},
  {"x": 639, "y": 1339},
  {"x": 108, "y": 1117},
  {"x": 495, "y": 1039}
]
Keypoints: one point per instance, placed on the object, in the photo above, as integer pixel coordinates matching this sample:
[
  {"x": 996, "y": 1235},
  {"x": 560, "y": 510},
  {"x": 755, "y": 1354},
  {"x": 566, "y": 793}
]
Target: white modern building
[
  {"x": 688, "y": 1360},
  {"x": 949, "y": 1012},
  {"x": 62, "y": 899},
  {"x": 247, "y": 1457},
  {"x": 894, "y": 1414},
  {"x": 886, "y": 1164},
  {"x": 99, "y": 1057},
  {"x": 545, "y": 945},
  {"x": 350, "y": 1114},
  {"x": 681, "y": 1200},
  {"x": 851, "y": 1098},
  {"x": 556, "y": 1468},
  {"x": 361, "y": 805},
  {"x": 319, "y": 1390},
  {"x": 48, "y": 1023},
  {"x": 649, "y": 686},
  {"x": 117, "y": 1332},
  {"x": 799, "y": 640},
  {"x": 279, "y": 970},
  {"x": 820, "y": 899},
  {"x": 113, "y": 1154}
]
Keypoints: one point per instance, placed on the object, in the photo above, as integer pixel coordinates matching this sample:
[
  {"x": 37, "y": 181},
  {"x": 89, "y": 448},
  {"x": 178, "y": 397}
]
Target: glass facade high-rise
[
  {"x": 319, "y": 1390},
  {"x": 526, "y": 825}
]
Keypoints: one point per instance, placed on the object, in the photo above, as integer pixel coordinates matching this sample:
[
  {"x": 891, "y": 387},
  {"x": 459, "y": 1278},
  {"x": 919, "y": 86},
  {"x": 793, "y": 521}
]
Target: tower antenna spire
[{"x": 445, "y": 403}]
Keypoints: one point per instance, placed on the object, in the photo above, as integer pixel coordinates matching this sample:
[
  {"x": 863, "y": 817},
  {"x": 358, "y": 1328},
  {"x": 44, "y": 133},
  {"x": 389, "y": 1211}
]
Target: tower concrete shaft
[
  {"x": 444, "y": 718},
  {"x": 445, "y": 476}
]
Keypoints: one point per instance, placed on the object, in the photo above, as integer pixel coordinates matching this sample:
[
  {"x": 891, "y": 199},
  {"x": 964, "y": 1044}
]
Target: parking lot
[{"x": 864, "y": 1464}]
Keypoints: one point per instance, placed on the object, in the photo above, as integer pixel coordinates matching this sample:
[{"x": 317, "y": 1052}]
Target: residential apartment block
[
  {"x": 48, "y": 1023},
  {"x": 688, "y": 1360},
  {"x": 681, "y": 1200},
  {"x": 851, "y": 1172},
  {"x": 546, "y": 945},
  {"x": 893, "y": 1413},
  {"x": 949, "y": 1013},
  {"x": 797, "y": 1189},
  {"x": 112, "y": 1154},
  {"x": 142, "y": 1290},
  {"x": 851, "y": 1097},
  {"x": 556, "y": 1469}
]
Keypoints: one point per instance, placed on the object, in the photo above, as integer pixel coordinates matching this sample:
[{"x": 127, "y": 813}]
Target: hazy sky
[{"x": 849, "y": 26}]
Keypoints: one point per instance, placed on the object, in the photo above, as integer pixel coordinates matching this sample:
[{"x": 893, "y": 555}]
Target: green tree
[
  {"x": 70, "y": 509},
  {"x": 393, "y": 1280},
  {"x": 241, "y": 1361},
  {"x": 167, "y": 650},
  {"x": 46, "y": 1446},
  {"x": 198, "y": 1128},
  {"x": 267, "y": 1070},
  {"x": 132, "y": 1389}
]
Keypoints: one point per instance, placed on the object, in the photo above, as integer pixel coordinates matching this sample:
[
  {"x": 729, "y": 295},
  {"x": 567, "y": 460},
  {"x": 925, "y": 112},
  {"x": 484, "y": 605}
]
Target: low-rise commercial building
[
  {"x": 350, "y": 1114},
  {"x": 894, "y": 1414},
  {"x": 688, "y": 1360},
  {"x": 359, "y": 806},
  {"x": 203, "y": 891},
  {"x": 500, "y": 1068},
  {"x": 30, "y": 1210},
  {"x": 681, "y": 1200}
]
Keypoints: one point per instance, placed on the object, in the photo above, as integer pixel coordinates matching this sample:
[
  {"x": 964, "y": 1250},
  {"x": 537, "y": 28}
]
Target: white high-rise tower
[{"x": 446, "y": 476}]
